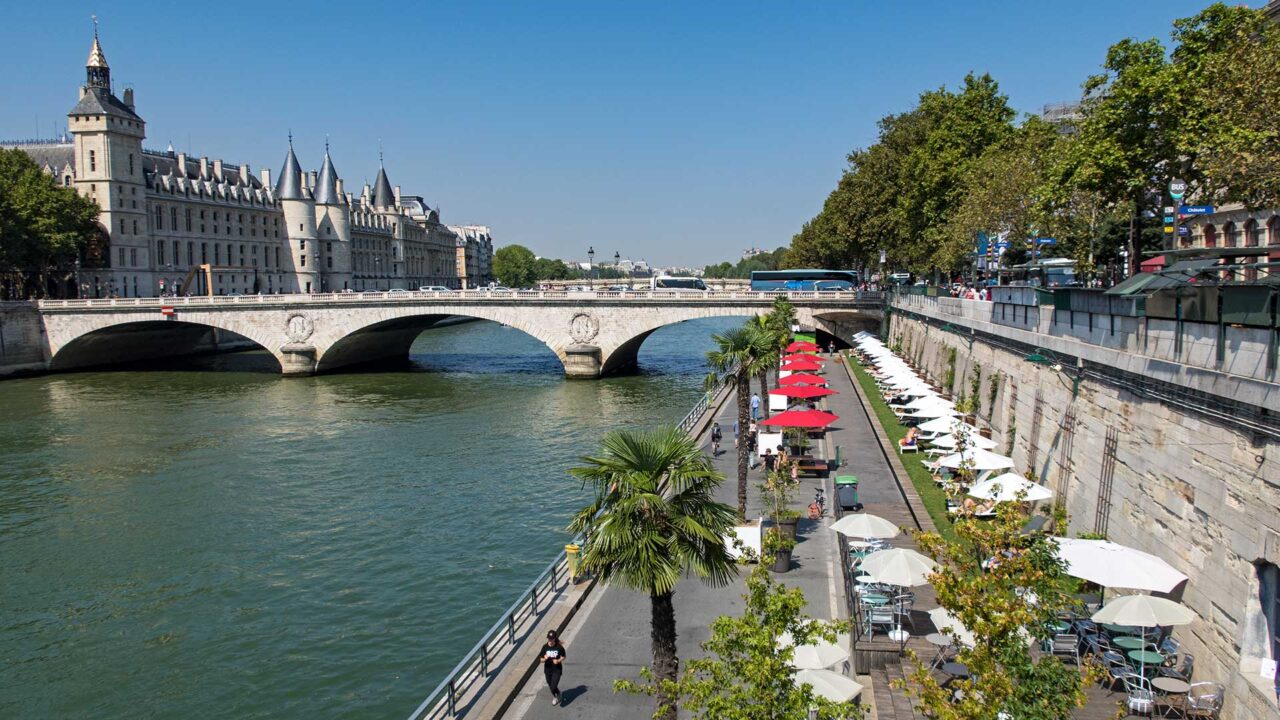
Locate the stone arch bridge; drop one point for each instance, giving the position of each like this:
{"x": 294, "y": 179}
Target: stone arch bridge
{"x": 593, "y": 333}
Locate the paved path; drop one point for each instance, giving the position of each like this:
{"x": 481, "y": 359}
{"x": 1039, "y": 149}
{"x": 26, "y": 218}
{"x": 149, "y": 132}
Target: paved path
{"x": 610, "y": 638}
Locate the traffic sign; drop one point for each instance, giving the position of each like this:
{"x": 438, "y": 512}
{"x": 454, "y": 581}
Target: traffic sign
{"x": 167, "y": 310}
{"x": 1002, "y": 244}
{"x": 1196, "y": 209}
{"x": 1177, "y": 188}
{"x": 1168, "y": 229}
{"x": 1046, "y": 241}
{"x": 1168, "y": 218}
{"x": 1184, "y": 230}
{"x": 1168, "y": 209}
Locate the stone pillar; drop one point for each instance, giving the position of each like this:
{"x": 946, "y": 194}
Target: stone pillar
{"x": 297, "y": 360}
{"x": 582, "y": 362}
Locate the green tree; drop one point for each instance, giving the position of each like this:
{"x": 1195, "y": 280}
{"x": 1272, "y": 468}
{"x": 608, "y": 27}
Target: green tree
{"x": 43, "y": 226}
{"x": 515, "y": 266}
{"x": 985, "y": 579}
{"x": 738, "y": 357}
{"x": 654, "y": 519}
{"x": 747, "y": 674}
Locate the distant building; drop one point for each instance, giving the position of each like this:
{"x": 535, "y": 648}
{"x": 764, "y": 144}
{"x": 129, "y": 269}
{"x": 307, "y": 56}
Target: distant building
{"x": 474, "y": 254}
{"x": 752, "y": 252}
{"x": 171, "y": 220}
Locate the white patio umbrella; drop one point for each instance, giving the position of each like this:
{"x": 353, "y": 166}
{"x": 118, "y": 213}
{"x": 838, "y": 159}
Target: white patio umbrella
{"x": 903, "y": 567}
{"x": 945, "y": 622}
{"x": 920, "y": 390}
{"x": 945, "y": 425}
{"x": 977, "y": 460}
{"x": 930, "y": 401}
{"x": 973, "y": 440}
{"x": 813, "y": 656}
{"x": 935, "y": 411}
{"x": 1144, "y": 611}
{"x": 830, "y": 685}
{"x": 864, "y": 525}
{"x": 1008, "y": 487}
{"x": 1113, "y": 565}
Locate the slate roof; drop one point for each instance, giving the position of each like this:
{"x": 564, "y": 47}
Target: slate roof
{"x": 290, "y": 185}
{"x": 99, "y": 101}
{"x": 383, "y": 195}
{"x": 327, "y": 184}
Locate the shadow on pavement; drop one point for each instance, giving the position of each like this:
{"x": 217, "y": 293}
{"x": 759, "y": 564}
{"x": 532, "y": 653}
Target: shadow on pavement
{"x": 569, "y": 695}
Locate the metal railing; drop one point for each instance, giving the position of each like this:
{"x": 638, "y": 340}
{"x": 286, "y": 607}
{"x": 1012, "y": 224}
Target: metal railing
{"x": 677, "y": 297}
{"x": 485, "y": 658}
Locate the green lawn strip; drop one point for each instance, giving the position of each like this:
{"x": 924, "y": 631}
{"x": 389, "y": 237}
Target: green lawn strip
{"x": 933, "y": 497}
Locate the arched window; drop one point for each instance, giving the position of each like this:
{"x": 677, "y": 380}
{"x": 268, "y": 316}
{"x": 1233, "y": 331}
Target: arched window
{"x": 1231, "y": 235}
{"x": 1273, "y": 230}
{"x": 1251, "y": 235}
{"x": 1210, "y": 236}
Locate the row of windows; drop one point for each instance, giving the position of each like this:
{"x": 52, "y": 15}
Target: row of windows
{"x": 158, "y": 221}
{"x": 1251, "y": 234}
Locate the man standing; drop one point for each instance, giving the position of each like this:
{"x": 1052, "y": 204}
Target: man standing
{"x": 553, "y": 655}
{"x": 755, "y": 406}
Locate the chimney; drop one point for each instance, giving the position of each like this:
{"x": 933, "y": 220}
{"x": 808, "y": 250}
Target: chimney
{"x": 245, "y": 174}
{"x": 311, "y": 180}
{"x": 217, "y": 170}
{"x": 266, "y": 177}
{"x": 397, "y": 196}
{"x": 128, "y": 97}
{"x": 83, "y": 91}
{"x": 338, "y": 186}
{"x": 204, "y": 168}
{"x": 182, "y": 165}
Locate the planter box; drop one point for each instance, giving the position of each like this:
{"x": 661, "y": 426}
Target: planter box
{"x": 751, "y": 535}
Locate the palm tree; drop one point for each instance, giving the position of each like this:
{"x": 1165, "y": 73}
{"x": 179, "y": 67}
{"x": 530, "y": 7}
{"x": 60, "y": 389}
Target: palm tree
{"x": 653, "y": 519}
{"x": 736, "y": 360}
{"x": 772, "y": 346}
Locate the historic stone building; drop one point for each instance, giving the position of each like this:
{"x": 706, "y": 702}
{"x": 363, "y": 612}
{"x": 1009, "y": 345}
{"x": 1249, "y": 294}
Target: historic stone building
{"x": 474, "y": 254}
{"x": 178, "y": 224}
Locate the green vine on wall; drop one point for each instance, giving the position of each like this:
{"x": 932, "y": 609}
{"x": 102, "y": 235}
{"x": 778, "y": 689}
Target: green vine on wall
{"x": 991, "y": 395}
{"x": 975, "y": 389}
{"x": 949, "y": 378}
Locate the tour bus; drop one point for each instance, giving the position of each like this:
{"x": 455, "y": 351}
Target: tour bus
{"x": 669, "y": 282}
{"x": 1048, "y": 273}
{"x": 771, "y": 280}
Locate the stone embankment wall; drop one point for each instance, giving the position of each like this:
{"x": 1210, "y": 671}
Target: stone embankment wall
{"x": 1169, "y": 473}
{"x": 21, "y": 339}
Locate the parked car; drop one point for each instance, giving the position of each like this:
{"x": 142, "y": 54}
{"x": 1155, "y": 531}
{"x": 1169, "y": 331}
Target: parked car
{"x": 434, "y": 288}
{"x": 398, "y": 290}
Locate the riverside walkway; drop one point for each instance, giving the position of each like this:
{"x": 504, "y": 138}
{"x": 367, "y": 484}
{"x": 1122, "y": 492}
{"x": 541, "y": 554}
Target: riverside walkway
{"x": 609, "y": 638}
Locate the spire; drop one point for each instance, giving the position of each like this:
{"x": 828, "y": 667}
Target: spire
{"x": 97, "y": 72}
{"x": 290, "y": 185}
{"x": 327, "y": 184}
{"x": 383, "y": 196}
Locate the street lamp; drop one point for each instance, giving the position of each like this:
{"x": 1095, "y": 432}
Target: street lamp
{"x": 1044, "y": 356}
{"x": 591, "y": 259}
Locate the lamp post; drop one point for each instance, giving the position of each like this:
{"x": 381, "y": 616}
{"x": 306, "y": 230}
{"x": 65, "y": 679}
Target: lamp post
{"x": 591, "y": 259}
{"x": 1044, "y": 356}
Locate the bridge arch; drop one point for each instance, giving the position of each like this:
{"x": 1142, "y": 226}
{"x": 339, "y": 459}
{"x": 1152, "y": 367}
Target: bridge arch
{"x": 135, "y": 339}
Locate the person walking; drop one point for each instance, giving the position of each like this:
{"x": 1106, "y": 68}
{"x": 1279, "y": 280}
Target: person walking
{"x": 553, "y": 655}
{"x": 716, "y": 435}
{"x": 755, "y": 406}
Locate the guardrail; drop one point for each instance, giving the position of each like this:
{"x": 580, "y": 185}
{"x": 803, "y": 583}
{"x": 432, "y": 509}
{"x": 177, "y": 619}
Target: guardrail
{"x": 480, "y": 295}
{"x": 513, "y": 627}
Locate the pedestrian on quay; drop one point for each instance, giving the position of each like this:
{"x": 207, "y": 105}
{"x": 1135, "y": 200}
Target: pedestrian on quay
{"x": 735, "y": 434}
{"x": 553, "y": 655}
{"x": 769, "y": 460}
{"x": 755, "y": 406}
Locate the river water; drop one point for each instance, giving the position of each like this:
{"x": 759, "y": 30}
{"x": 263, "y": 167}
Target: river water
{"x": 212, "y": 540}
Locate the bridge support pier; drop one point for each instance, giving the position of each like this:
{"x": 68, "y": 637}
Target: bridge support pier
{"x": 582, "y": 362}
{"x": 297, "y": 360}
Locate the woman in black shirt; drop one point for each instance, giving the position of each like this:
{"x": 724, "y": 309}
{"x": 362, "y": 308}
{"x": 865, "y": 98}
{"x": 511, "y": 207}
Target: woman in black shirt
{"x": 553, "y": 655}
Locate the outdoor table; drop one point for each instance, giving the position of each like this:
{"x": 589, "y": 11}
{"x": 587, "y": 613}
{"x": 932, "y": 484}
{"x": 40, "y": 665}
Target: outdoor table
{"x": 875, "y": 599}
{"x": 1173, "y": 688}
{"x": 1147, "y": 659}
{"x": 956, "y": 670}
{"x": 1129, "y": 642}
{"x": 1118, "y": 629}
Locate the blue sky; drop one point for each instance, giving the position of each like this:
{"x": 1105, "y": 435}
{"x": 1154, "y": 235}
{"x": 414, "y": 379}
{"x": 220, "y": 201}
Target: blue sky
{"x": 678, "y": 132}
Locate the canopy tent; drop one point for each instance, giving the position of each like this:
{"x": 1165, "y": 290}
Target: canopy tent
{"x": 1009, "y": 487}
{"x": 801, "y": 419}
{"x": 803, "y": 379}
{"x": 1113, "y": 565}
{"x": 976, "y": 459}
{"x": 863, "y": 525}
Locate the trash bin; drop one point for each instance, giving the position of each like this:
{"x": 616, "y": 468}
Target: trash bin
{"x": 847, "y": 492}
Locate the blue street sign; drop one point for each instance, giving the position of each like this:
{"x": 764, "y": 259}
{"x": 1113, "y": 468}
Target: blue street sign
{"x": 1168, "y": 218}
{"x": 1046, "y": 241}
{"x": 1002, "y": 244}
{"x": 1184, "y": 230}
{"x": 1196, "y": 209}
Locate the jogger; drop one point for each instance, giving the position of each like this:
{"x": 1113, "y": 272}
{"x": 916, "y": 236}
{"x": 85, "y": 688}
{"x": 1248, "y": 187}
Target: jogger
{"x": 553, "y": 655}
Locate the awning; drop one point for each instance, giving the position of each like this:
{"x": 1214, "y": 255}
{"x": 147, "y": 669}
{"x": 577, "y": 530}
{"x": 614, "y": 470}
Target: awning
{"x": 1179, "y": 273}
{"x": 1153, "y": 264}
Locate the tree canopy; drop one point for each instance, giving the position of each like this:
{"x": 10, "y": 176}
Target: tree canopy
{"x": 960, "y": 164}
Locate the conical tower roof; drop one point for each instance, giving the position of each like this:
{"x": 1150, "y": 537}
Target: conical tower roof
{"x": 290, "y": 185}
{"x": 96, "y": 57}
{"x": 327, "y": 183}
{"x": 383, "y": 195}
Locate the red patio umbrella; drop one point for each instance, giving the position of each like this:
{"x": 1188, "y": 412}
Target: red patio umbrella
{"x": 803, "y": 391}
{"x": 803, "y": 379}
{"x": 801, "y": 356}
{"x": 801, "y": 346}
{"x": 802, "y": 419}
{"x": 802, "y": 366}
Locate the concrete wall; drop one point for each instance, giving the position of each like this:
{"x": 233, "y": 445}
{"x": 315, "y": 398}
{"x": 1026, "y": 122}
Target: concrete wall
{"x": 1153, "y": 474}
{"x": 21, "y": 339}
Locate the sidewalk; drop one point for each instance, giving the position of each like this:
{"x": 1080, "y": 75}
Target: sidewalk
{"x": 609, "y": 639}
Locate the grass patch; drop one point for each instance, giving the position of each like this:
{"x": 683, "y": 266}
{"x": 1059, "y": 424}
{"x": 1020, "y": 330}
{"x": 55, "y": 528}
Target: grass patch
{"x": 933, "y": 497}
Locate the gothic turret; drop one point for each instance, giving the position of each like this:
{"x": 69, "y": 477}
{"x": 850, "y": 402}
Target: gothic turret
{"x": 97, "y": 72}
{"x": 300, "y": 225}
{"x": 383, "y": 195}
{"x": 333, "y": 229}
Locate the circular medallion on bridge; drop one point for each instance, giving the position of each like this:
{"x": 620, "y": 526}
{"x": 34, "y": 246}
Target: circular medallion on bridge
{"x": 298, "y": 327}
{"x": 583, "y": 328}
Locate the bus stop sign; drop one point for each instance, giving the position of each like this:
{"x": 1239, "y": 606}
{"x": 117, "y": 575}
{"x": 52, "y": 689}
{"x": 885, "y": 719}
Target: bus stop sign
{"x": 1177, "y": 188}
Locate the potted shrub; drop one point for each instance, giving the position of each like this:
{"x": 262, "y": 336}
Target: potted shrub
{"x": 776, "y": 493}
{"x": 778, "y": 548}
{"x": 785, "y": 520}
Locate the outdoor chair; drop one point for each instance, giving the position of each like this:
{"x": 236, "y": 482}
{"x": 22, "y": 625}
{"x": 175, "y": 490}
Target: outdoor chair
{"x": 1169, "y": 646}
{"x": 902, "y": 608}
{"x": 1066, "y": 645}
{"x": 1204, "y": 700}
{"x": 1116, "y": 673}
{"x": 884, "y": 616}
{"x": 1142, "y": 698}
{"x": 1182, "y": 672}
